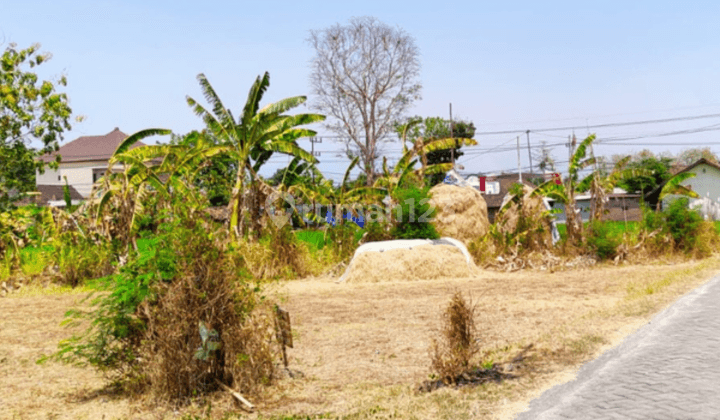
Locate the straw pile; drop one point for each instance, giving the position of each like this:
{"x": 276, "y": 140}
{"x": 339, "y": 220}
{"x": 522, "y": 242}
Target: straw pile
{"x": 461, "y": 212}
{"x": 424, "y": 262}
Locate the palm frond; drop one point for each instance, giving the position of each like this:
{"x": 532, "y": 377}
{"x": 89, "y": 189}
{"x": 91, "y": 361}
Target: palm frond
{"x": 212, "y": 123}
{"x": 282, "y": 105}
{"x": 673, "y": 187}
{"x": 579, "y": 155}
{"x": 552, "y": 190}
{"x": 438, "y": 168}
{"x": 350, "y": 167}
{"x": 128, "y": 142}
{"x": 257, "y": 90}
{"x": 289, "y": 148}
{"x": 222, "y": 113}
{"x": 622, "y": 163}
{"x": 447, "y": 143}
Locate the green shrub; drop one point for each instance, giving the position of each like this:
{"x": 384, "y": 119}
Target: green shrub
{"x": 677, "y": 220}
{"x": 377, "y": 231}
{"x": 413, "y": 215}
{"x": 315, "y": 238}
{"x": 79, "y": 257}
{"x": 602, "y": 240}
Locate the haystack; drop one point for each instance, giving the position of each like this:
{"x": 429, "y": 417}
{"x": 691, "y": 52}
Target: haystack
{"x": 539, "y": 225}
{"x": 461, "y": 212}
{"x": 409, "y": 260}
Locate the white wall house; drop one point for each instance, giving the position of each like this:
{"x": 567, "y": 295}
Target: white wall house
{"x": 84, "y": 161}
{"x": 706, "y": 184}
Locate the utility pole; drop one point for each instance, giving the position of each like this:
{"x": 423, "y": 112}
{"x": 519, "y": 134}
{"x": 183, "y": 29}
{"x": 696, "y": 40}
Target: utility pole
{"x": 519, "y": 167}
{"x": 570, "y": 153}
{"x": 452, "y": 151}
{"x": 529, "y": 152}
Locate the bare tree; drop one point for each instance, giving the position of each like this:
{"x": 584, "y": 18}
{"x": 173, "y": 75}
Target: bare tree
{"x": 690, "y": 156}
{"x": 365, "y": 75}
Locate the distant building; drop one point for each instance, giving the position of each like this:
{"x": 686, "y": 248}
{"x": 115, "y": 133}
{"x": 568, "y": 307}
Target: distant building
{"x": 50, "y": 195}
{"x": 84, "y": 161}
{"x": 621, "y": 206}
{"x": 706, "y": 184}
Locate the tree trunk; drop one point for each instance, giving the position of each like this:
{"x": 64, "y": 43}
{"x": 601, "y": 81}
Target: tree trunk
{"x": 236, "y": 204}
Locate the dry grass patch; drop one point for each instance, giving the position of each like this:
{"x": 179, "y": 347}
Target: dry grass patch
{"x": 364, "y": 347}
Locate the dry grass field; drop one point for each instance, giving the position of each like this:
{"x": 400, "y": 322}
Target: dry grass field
{"x": 363, "y": 347}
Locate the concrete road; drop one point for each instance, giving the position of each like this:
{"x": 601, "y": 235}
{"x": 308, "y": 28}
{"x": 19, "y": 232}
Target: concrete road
{"x": 668, "y": 369}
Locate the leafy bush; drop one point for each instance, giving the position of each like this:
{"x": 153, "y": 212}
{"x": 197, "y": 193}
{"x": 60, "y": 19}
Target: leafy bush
{"x": 678, "y": 221}
{"x": 414, "y": 214}
{"x": 377, "y": 231}
{"x": 602, "y": 240}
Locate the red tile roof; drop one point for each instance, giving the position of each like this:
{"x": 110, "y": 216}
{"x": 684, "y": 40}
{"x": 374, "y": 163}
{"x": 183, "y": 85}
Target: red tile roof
{"x": 88, "y": 148}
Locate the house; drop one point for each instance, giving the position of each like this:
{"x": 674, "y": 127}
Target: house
{"x": 706, "y": 184}
{"x": 51, "y": 195}
{"x": 84, "y": 161}
{"x": 497, "y": 187}
{"x": 621, "y": 206}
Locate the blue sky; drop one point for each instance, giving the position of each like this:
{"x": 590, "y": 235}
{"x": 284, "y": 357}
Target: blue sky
{"x": 507, "y": 66}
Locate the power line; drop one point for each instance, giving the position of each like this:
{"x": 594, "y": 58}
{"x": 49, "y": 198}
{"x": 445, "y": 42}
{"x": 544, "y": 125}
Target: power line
{"x": 603, "y": 116}
{"x": 620, "y": 124}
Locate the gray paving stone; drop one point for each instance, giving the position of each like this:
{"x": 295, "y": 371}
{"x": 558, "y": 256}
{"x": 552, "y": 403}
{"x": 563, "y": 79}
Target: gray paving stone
{"x": 669, "y": 369}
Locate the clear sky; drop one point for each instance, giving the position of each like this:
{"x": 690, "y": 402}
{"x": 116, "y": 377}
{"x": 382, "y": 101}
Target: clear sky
{"x": 507, "y": 66}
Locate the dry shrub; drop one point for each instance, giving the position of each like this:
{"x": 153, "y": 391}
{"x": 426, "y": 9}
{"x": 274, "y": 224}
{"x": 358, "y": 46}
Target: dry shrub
{"x": 277, "y": 254}
{"x": 205, "y": 291}
{"x": 526, "y": 223}
{"x": 484, "y": 250}
{"x": 707, "y": 240}
{"x": 424, "y": 262}
{"x": 461, "y": 212}
{"x": 451, "y": 353}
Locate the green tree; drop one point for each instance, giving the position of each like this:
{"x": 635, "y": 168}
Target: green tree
{"x": 30, "y": 109}
{"x": 651, "y": 171}
{"x": 252, "y": 140}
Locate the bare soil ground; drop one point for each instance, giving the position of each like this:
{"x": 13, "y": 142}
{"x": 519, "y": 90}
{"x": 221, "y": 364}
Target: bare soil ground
{"x": 363, "y": 348}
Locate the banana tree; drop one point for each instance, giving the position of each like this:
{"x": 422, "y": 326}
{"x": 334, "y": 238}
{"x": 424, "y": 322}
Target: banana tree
{"x": 565, "y": 193}
{"x": 673, "y": 187}
{"x": 166, "y": 170}
{"x": 252, "y": 139}
{"x": 600, "y": 184}
{"x": 419, "y": 152}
